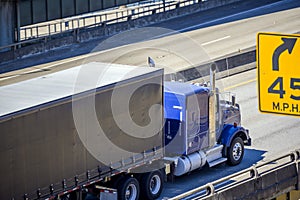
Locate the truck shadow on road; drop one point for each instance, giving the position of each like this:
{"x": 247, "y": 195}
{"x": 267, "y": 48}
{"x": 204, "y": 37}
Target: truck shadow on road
{"x": 206, "y": 175}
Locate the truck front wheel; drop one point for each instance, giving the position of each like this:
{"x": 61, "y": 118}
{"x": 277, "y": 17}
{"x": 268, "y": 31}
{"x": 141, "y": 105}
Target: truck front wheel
{"x": 128, "y": 189}
{"x": 235, "y": 152}
{"x": 151, "y": 185}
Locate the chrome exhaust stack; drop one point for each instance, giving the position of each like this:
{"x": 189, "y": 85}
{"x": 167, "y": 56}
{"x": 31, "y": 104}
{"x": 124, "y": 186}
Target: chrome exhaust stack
{"x": 212, "y": 106}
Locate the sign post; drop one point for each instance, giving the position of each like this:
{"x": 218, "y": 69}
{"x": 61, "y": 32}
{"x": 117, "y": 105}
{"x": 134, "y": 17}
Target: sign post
{"x": 278, "y": 65}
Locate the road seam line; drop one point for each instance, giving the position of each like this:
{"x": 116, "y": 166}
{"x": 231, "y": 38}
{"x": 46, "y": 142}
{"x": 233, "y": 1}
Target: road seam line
{"x": 240, "y": 84}
{"x": 216, "y": 40}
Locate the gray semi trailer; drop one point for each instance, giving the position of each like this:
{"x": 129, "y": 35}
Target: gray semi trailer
{"x": 118, "y": 130}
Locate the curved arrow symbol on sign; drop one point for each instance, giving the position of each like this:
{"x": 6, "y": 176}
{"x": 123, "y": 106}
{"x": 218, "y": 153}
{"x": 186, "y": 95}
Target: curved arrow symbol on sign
{"x": 288, "y": 44}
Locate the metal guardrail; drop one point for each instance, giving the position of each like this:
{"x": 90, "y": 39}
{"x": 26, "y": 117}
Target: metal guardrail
{"x": 108, "y": 17}
{"x": 238, "y": 179}
{"x": 69, "y": 24}
{"x": 46, "y": 31}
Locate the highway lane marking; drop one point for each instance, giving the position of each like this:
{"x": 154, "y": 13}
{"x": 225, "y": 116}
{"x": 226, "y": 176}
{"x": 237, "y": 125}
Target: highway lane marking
{"x": 240, "y": 84}
{"x": 216, "y": 40}
{"x": 9, "y": 77}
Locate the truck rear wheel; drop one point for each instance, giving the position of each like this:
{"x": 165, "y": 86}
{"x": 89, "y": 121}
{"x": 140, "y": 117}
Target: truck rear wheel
{"x": 128, "y": 189}
{"x": 235, "y": 152}
{"x": 151, "y": 185}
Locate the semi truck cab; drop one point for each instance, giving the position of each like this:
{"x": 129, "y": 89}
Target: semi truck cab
{"x": 200, "y": 128}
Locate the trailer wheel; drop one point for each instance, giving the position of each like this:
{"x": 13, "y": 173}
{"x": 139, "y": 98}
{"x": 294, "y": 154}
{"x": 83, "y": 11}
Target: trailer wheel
{"x": 128, "y": 189}
{"x": 151, "y": 185}
{"x": 235, "y": 151}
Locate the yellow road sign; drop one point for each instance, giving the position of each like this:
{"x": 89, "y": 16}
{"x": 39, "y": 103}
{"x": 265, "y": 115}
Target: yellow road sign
{"x": 278, "y": 64}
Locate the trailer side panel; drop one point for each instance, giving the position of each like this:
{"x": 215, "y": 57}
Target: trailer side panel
{"x": 59, "y": 139}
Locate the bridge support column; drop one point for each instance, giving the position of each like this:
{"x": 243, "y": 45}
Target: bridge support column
{"x": 8, "y": 21}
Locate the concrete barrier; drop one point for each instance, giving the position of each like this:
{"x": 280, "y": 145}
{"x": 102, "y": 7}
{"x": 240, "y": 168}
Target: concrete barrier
{"x": 227, "y": 65}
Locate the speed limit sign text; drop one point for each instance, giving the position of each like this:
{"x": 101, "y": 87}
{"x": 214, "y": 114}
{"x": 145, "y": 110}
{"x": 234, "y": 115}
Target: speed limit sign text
{"x": 278, "y": 64}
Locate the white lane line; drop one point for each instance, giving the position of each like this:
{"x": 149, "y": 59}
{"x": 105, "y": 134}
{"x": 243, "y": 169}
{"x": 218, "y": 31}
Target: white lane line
{"x": 216, "y": 40}
{"x": 9, "y": 77}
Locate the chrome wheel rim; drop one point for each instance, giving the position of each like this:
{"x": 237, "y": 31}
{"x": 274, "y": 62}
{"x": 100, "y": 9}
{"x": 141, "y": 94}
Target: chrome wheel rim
{"x": 131, "y": 192}
{"x": 237, "y": 151}
{"x": 155, "y": 184}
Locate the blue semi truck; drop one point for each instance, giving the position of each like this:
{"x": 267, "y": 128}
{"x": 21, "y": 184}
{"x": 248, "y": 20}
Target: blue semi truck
{"x": 112, "y": 131}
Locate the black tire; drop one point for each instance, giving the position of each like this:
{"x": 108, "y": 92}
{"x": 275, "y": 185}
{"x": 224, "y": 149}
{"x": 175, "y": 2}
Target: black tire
{"x": 235, "y": 152}
{"x": 128, "y": 189}
{"x": 152, "y": 184}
